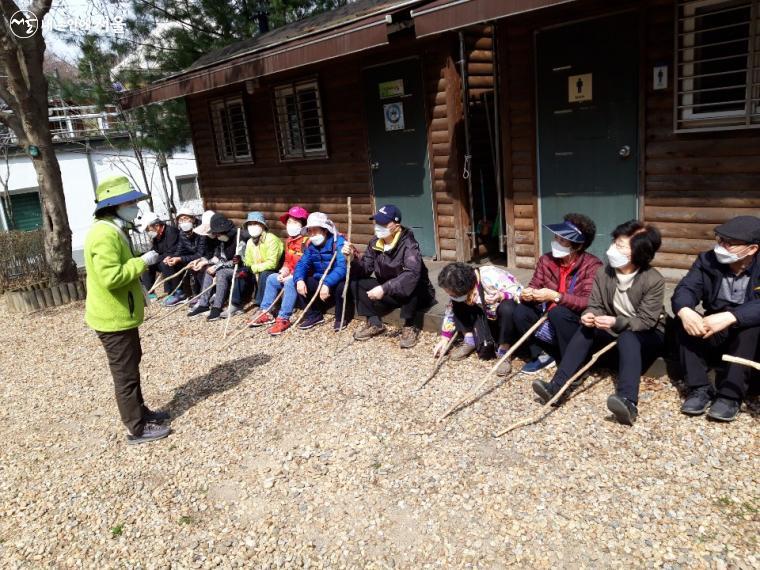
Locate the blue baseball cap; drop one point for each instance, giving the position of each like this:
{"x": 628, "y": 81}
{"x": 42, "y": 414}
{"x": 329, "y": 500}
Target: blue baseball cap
{"x": 566, "y": 230}
{"x": 387, "y": 214}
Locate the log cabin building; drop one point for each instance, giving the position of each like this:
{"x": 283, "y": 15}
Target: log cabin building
{"x": 483, "y": 119}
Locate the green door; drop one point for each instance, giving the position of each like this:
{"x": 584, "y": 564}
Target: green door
{"x": 26, "y": 210}
{"x": 587, "y": 92}
{"x": 396, "y": 125}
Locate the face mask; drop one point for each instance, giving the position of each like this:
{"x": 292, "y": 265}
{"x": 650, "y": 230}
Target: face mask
{"x": 255, "y": 230}
{"x": 128, "y": 213}
{"x": 318, "y": 239}
{"x": 293, "y": 228}
{"x": 725, "y": 256}
{"x": 381, "y": 231}
{"x": 460, "y": 299}
{"x": 223, "y": 238}
{"x": 186, "y": 226}
{"x": 152, "y": 234}
{"x": 559, "y": 251}
{"x": 616, "y": 258}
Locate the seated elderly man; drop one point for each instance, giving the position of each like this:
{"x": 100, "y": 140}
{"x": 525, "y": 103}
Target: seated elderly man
{"x": 164, "y": 241}
{"x": 726, "y": 281}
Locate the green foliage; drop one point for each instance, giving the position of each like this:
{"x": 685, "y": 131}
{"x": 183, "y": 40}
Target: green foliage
{"x": 117, "y": 530}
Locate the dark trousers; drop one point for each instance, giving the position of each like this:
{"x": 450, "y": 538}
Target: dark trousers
{"x": 636, "y": 352}
{"x": 253, "y": 284}
{"x": 732, "y": 380}
{"x": 124, "y": 354}
{"x": 564, "y": 321}
{"x": 366, "y": 307}
{"x": 336, "y": 298}
{"x": 502, "y": 328}
{"x": 149, "y": 277}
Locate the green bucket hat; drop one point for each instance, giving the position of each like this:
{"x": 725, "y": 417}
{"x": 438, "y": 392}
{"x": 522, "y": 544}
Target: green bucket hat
{"x": 114, "y": 191}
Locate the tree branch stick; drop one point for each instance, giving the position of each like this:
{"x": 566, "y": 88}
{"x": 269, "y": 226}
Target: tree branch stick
{"x": 348, "y": 266}
{"x": 439, "y": 362}
{"x": 742, "y": 361}
{"x": 232, "y": 287}
{"x": 316, "y": 293}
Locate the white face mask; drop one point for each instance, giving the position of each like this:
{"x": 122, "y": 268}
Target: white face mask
{"x": 293, "y": 228}
{"x": 381, "y": 231}
{"x": 317, "y": 239}
{"x": 615, "y": 257}
{"x": 152, "y": 234}
{"x": 460, "y": 299}
{"x": 559, "y": 251}
{"x": 128, "y": 213}
{"x": 725, "y": 256}
{"x": 186, "y": 226}
{"x": 223, "y": 238}
{"x": 255, "y": 230}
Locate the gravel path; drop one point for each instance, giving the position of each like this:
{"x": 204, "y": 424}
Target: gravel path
{"x": 284, "y": 455}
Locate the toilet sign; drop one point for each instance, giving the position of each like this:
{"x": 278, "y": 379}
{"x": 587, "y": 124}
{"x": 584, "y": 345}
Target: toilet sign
{"x": 579, "y": 88}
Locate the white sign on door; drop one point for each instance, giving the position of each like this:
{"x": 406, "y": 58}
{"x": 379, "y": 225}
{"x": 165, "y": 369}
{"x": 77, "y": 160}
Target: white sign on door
{"x": 394, "y": 116}
{"x": 580, "y": 88}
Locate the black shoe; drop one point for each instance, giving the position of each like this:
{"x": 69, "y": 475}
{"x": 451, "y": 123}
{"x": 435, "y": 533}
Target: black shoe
{"x": 697, "y": 402}
{"x": 151, "y": 432}
{"x": 544, "y": 390}
{"x": 724, "y": 410}
{"x": 197, "y": 310}
{"x": 624, "y": 410}
{"x": 156, "y": 417}
{"x": 214, "y": 314}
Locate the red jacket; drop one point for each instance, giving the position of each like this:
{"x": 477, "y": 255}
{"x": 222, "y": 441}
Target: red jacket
{"x": 581, "y": 279}
{"x": 294, "y": 248}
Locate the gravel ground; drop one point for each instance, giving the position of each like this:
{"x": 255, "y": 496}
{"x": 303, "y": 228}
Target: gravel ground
{"x": 284, "y": 455}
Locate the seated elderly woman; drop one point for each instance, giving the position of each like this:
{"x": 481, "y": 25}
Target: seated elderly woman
{"x": 479, "y": 310}
{"x": 190, "y": 247}
{"x": 626, "y": 305}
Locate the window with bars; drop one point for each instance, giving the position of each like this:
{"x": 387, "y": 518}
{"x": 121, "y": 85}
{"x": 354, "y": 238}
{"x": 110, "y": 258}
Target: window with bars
{"x": 717, "y": 65}
{"x": 230, "y": 131}
{"x": 300, "y": 123}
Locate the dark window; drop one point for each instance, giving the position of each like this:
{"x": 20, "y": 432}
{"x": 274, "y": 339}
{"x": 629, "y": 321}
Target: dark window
{"x": 187, "y": 188}
{"x": 300, "y": 122}
{"x": 230, "y": 130}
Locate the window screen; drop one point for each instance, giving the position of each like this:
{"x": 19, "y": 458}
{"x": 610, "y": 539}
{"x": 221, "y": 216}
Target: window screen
{"x": 300, "y": 122}
{"x": 230, "y": 130}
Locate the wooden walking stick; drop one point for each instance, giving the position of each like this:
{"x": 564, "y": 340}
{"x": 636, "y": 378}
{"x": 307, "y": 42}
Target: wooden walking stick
{"x": 179, "y": 306}
{"x": 165, "y": 279}
{"x": 246, "y": 326}
{"x": 232, "y": 287}
{"x": 558, "y": 395}
{"x": 319, "y": 286}
{"x": 441, "y": 359}
{"x": 512, "y": 349}
{"x": 742, "y": 361}
{"x": 348, "y": 266}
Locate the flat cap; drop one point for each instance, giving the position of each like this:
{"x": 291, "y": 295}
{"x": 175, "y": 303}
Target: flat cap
{"x": 741, "y": 228}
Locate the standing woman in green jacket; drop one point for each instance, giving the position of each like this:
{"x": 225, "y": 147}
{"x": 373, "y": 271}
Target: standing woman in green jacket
{"x": 115, "y": 302}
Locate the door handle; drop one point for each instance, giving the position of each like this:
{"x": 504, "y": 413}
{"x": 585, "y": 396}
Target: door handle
{"x": 374, "y": 166}
{"x": 624, "y": 151}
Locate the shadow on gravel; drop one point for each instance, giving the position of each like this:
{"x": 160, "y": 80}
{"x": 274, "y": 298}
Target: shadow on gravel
{"x": 219, "y": 379}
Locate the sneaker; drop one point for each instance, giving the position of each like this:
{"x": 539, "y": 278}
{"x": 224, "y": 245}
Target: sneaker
{"x": 151, "y": 432}
{"x": 197, "y": 310}
{"x": 155, "y": 416}
{"x": 214, "y": 314}
{"x": 312, "y": 321}
{"x": 231, "y": 311}
{"x": 262, "y": 319}
{"x": 279, "y": 327}
{"x": 535, "y": 366}
{"x": 152, "y": 296}
{"x": 697, "y": 401}
{"x": 624, "y": 410}
{"x": 175, "y": 299}
{"x": 368, "y": 331}
{"x": 409, "y": 337}
{"x": 544, "y": 390}
{"x": 462, "y": 351}
{"x": 339, "y": 326}
{"x": 724, "y": 410}
{"x": 504, "y": 368}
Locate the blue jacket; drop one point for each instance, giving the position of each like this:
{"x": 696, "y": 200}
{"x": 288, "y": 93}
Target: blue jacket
{"x": 316, "y": 259}
{"x": 702, "y": 284}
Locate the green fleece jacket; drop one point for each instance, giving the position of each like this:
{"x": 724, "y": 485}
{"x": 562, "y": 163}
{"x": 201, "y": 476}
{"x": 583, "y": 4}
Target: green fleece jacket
{"x": 114, "y": 296}
{"x": 265, "y": 255}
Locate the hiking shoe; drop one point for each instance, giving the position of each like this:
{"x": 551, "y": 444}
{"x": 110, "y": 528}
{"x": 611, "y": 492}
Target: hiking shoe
{"x": 151, "y": 432}
{"x": 697, "y": 402}
{"x": 262, "y": 319}
{"x": 368, "y": 331}
{"x": 535, "y": 366}
{"x": 462, "y": 351}
{"x": 724, "y": 410}
{"x": 624, "y": 410}
{"x": 175, "y": 299}
{"x": 214, "y": 314}
{"x": 504, "y": 368}
{"x": 409, "y": 337}
{"x": 279, "y": 327}
{"x": 312, "y": 321}
{"x": 155, "y": 416}
{"x": 544, "y": 390}
{"x": 339, "y": 326}
{"x": 231, "y": 311}
{"x": 197, "y": 310}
